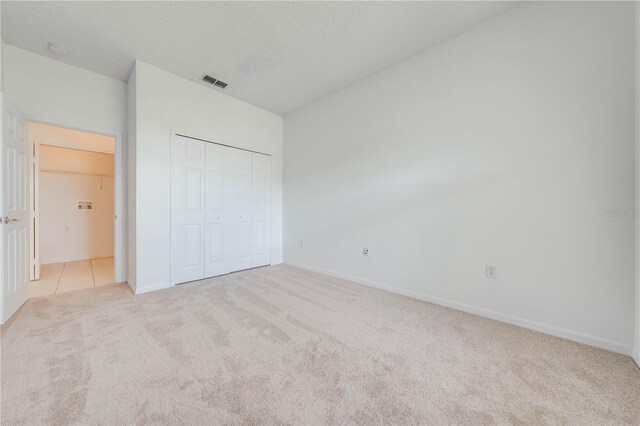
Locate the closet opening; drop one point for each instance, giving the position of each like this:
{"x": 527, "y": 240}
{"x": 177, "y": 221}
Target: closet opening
{"x": 72, "y": 224}
{"x": 220, "y": 209}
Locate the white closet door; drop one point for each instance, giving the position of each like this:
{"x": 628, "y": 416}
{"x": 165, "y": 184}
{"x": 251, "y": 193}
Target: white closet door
{"x": 261, "y": 211}
{"x": 216, "y": 220}
{"x": 187, "y": 210}
{"x": 238, "y": 212}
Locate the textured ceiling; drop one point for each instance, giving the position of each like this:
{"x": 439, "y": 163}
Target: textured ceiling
{"x": 276, "y": 55}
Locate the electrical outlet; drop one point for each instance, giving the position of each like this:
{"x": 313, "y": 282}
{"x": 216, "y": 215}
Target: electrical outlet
{"x": 301, "y": 243}
{"x": 365, "y": 251}
{"x": 490, "y": 271}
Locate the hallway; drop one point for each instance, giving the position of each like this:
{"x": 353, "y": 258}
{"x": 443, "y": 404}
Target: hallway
{"x": 70, "y": 276}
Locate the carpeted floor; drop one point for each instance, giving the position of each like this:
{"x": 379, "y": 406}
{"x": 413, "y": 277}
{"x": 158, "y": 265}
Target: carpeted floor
{"x": 281, "y": 345}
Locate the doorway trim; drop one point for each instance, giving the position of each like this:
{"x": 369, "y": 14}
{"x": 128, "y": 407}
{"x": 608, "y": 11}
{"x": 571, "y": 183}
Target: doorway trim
{"x": 120, "y": 197}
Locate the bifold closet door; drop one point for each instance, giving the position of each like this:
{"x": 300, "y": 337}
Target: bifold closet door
{"x": 260, "y": 210}
{"x": 187, "y": 210}
{"x": 220, "y": 210}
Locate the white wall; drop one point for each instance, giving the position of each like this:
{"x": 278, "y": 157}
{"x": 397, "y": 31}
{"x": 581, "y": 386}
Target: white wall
{"x": 66, "y": 233}
{"x": 505, "y": 145}
{"x": 53, "y": 92}
{"x": 57, "y": 93}
{"x": 165, "y": 102}
{"x": 75, "y": 160}
{"x": 1, "y": 65}
{"x": 131, "y": 178}
{"x": 2, "y": 49}
{"x": 636, "y": 351}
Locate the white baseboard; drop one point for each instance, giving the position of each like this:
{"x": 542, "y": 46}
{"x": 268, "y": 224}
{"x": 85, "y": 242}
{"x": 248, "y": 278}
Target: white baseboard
{"x": 575, "y": 336}
{"x": 146, "y": 289}
{"x": 636, "y": 355}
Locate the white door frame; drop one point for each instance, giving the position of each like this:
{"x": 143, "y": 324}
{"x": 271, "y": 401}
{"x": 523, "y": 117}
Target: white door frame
{"x": 120, "y": 194}
{"x": 34, "y": 211}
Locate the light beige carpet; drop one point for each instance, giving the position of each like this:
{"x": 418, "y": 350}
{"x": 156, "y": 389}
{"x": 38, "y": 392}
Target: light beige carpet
{"x": 280, "y": 345}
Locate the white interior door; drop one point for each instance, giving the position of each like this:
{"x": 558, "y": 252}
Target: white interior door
{"x": 187, "y": 210}
{"x": 238, "y": 201}
{"x": 261, "y": 210}
{"x": 216, "y": 215}
{"x": 15, "y": 212}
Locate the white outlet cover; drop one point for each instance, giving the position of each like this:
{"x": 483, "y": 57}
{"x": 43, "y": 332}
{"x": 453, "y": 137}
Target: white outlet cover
{"x": 490, "y": 271}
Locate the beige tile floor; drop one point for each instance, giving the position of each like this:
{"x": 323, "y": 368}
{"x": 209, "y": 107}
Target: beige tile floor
{"x": 70, "y": 276}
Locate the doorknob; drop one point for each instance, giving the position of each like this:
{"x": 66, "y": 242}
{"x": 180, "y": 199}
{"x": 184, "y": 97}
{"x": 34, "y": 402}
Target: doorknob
{"x": 6, "y": 220}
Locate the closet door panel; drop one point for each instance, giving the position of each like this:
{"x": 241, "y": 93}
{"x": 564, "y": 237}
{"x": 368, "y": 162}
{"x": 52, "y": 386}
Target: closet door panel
{"x": 261, "y": 210}
{"x": 187, "y": 210}
{"x": 238, "y": 190}
{"x": 216, "y": 263}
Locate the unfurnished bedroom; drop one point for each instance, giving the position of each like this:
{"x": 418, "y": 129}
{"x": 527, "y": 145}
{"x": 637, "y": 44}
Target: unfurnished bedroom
{"x": 320, "y": 213}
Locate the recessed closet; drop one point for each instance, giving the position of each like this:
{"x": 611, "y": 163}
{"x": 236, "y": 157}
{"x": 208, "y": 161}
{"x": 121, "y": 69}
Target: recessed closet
{"x": 220, "y": 209}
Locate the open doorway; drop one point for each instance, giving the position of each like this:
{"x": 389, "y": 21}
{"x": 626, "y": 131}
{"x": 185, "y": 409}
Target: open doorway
{"x": 73, "y": 206}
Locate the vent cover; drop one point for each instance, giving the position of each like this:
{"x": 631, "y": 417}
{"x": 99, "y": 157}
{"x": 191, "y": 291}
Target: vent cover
{"x": 214, "y": 81}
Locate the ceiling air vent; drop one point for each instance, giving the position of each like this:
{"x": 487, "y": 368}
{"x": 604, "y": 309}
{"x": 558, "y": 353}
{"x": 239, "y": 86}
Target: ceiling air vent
{"x": 214, "y": 81}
